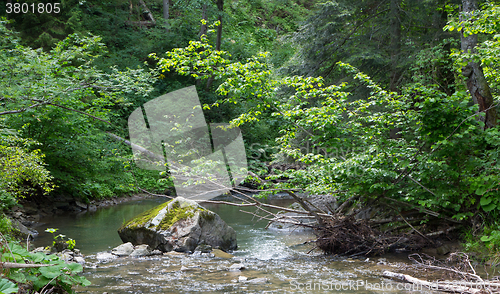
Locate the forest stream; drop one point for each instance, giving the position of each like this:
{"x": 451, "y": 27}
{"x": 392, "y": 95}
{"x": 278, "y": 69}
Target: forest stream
{"x": 279, "y": 257}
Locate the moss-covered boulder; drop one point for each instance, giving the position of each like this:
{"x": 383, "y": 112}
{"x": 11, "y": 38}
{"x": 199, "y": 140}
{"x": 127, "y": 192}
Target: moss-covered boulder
{"x": 179, "y": 225}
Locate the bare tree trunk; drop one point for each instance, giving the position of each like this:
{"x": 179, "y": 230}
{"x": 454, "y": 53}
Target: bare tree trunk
{"x": 8, "y": 24}
{"x": 166, "y": 11}
{"x": 220, "y": 7}
{"x": 395, "y": 44}
{"x": 473, "y": 72}
{"x": 204, "y": 28}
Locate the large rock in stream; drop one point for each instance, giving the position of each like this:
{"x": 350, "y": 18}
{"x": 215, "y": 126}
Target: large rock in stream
{"x": 179, "y": 225}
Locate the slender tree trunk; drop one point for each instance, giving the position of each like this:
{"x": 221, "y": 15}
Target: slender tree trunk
{"x": 166, "y": 11}
{"x": 220, "y": 7}
{"x": 444, "y": 75}
{"x": 204, "y": 28}
{"x": 395, "y": 44}
{"x": 473, "y": 72}
{"x": 8, "y": 24}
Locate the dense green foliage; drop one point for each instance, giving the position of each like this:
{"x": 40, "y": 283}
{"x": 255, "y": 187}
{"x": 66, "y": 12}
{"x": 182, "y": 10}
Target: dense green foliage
{"x": 421, "y": 145}
{"x": 368, "y": 97}
{"x": 59, "y": 274}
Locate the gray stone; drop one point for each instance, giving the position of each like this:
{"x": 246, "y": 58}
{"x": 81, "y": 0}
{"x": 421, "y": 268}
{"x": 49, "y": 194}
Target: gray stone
{"x": 22, "y": 230}
{"x": 123, "y": 250}
{"x": 191, "y": 268}
{"x": 30, "y": 210}
{"x": 242, "y": 279}
{"x": 257, "y": 281}
{"x": 79, "y": 259}
{"x": 236, "y": 267}
{"x": 179, "y": 225}
{"x": 81, "y": 205}
{"x": 203, "y": 248}
{"x": 65, "y": 256}
{"x": 41, "y": 250}
{"x": 104, "y": 256}
{"x": 141, "y": 250}
{"x": 67, "y": 251}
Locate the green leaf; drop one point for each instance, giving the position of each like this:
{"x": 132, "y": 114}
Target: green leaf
{"x": 486, "y": 238}
{"x": 75, "y": 267}
{"x": 51, "y": 272}
{"x": 7, "y": 287}
{"x": 484, "y": 200}
{"x": 481, "y": 190}
{"x": 489, "y": 207}
{"x": 17, "y": 276}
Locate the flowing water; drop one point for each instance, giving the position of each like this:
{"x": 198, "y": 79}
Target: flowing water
{"x": 281, "y": 258}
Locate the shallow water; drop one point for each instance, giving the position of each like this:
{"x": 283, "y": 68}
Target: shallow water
{"x": 279, "y": 257}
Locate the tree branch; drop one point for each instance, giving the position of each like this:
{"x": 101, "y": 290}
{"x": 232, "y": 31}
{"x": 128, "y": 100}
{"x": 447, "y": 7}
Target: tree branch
{"x": 22, "y": 109}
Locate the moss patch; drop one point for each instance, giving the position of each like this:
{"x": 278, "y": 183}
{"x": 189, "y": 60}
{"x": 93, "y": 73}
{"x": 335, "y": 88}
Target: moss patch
{"x": 207, "y": 215}
{"x": 176, "y": 214}
{"x": 143, "y": 218}
{"x": 173, "y": 215}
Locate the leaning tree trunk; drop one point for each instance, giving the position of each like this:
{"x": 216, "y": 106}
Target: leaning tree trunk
{"x": 473, "y": 72}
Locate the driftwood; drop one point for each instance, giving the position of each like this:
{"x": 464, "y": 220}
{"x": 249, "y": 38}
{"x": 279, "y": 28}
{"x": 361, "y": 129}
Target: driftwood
{"x": 463, "y": 275}
{"x": 447, "y": 286}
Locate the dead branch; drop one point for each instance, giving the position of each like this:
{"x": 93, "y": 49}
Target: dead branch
{"x": 454, "y": 287}
{"x": 22, "y": 109}
{"x": 278, "y": 220}
{"x": 345, "y": 203}
{"x": 22, "y": 265}
{"x": 437, "y": 233}
{"x": 461, "y": 273}
{"x": 304, "y": 205}
{"x": 418, "y": 232}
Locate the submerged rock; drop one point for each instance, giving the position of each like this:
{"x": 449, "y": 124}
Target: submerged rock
{"x": 179, "y": 225}
{"x": 257, "y": 281}
{"x": 221, "y": 254}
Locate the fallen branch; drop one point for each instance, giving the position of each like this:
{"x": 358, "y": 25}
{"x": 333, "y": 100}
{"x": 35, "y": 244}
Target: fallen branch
{"x": 22, "y": 265}
{"x": 448, "y": 286}
{"x": 278, "y": 220}
{"x": 320, "y": 221}
{"x": 462, "y": 273}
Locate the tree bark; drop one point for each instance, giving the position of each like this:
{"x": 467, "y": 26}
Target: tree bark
{"x": 220, "y": 7}
{"x": 476, "y": 82}
{"x": 8, "y": 24}
{"x": 395, "y": 44}
{"x": 204, "y": 28}
{"x": 166, "y": 11}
